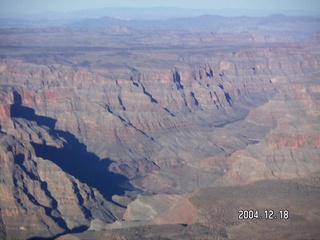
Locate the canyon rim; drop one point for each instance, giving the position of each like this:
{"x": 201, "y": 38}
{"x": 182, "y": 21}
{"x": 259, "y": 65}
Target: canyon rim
{"x": 160, "y": 129}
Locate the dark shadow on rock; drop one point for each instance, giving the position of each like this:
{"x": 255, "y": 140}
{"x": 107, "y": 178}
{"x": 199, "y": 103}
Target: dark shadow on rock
{"x": 27, "y": 113}
{"x": 73, "y": 158}
{"x": 19, "y": 160}
{"x": 228, "y": 98}
{"x": 194, "y": 98}
{"x": 85, "y": 166}
{"x": 19, "y": 111}
{"x": 78, "y": 229}
{"x": 17, "y": 100}
{"x": 177, "y": 80}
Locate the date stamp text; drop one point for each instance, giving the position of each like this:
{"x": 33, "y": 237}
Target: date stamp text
{"x": 267, "y": 214}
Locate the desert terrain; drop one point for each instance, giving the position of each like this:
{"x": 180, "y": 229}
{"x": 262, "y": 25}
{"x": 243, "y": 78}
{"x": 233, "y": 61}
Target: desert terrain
{"x": 132, "y": 129}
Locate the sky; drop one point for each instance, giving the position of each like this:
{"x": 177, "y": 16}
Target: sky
{"x": 38, "y": 6}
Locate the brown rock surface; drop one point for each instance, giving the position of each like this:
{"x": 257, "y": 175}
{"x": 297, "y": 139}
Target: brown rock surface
{"x": 289, "y": 150}
{"x": 191, "y": 119}
{"x": 161, "y": 209}
{"x": 37, "y": 197}
{"x": 296, "y": 196}
{"x": 217, "y": 213}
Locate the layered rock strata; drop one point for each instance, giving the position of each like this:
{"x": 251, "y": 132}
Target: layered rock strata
{"x": 38, "y": 198}
{"x": 168, "y": 119}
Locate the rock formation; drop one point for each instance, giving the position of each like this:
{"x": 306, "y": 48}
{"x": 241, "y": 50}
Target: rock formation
{"x": 109, "y": 130}
{"x": 39, "y": 197}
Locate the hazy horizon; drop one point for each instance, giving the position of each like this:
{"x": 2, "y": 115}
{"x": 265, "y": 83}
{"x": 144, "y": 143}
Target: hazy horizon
{"x": 294, "y": 7}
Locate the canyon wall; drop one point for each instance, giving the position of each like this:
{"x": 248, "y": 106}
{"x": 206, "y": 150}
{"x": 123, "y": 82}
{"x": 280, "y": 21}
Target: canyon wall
{"x": 81, "y": 123}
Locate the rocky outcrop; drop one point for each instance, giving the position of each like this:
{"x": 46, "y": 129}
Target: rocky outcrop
{"x": 80, "y": 124}
{"x": 162, "y": 209}
{"x": 38, "y": 195}
{"x": 126, "y": 111}
{"x": 290, "y": 149}
{"x": 217, "y": 212}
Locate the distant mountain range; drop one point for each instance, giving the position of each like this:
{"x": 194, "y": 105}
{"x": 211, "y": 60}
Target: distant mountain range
{"x": 151, "y": 14}
{"x": 274, "y": 23}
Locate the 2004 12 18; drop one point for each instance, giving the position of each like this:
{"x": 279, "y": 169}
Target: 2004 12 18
{"x": 267, "y": 214}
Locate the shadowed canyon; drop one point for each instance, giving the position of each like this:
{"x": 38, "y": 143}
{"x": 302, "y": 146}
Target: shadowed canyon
{"x": 118, "y": 129}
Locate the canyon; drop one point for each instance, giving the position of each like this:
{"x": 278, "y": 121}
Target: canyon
{"x": 126, "y": 131}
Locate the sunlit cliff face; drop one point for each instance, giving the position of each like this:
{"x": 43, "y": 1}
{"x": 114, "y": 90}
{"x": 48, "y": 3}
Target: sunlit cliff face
{"x": 117, "y": 127}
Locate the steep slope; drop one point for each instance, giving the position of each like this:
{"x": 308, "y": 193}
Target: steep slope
{"x": 165, "y": 106}
{"x": 39, "y": 198}
{"x": 171, "y": 113}
{"x": 213, "y": 213}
